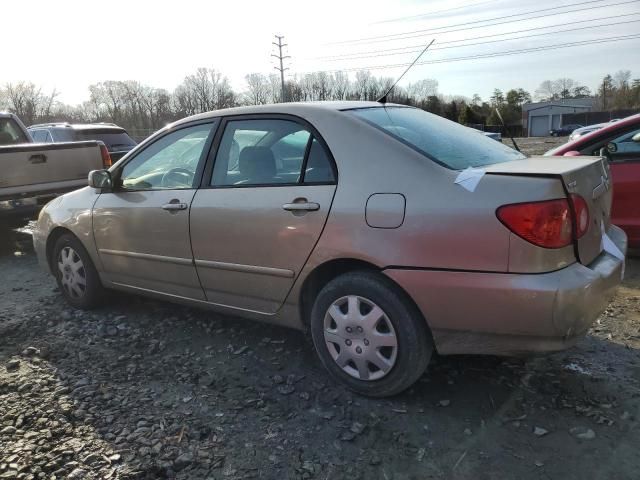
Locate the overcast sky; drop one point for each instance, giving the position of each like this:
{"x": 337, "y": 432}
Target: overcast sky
{"x": 70, "y": 44}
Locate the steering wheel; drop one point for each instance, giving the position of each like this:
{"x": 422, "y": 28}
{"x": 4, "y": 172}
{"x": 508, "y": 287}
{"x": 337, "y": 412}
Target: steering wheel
{"x": 177, "y": 177}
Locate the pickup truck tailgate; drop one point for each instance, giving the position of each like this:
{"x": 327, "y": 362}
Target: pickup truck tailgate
{"x": 36, "y": 168}
{"x": 588, "y": 177}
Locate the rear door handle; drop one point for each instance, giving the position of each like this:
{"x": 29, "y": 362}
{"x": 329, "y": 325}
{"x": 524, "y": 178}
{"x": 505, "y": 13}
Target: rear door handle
{"x": 301, "y": 207}
{"x": 174, "y": 205}
{"x": 38, "y": 158}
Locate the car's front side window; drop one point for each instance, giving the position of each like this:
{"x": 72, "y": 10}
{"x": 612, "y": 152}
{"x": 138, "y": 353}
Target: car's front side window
{"x": 170, "y": 162}
{"x": 265, "y": 152}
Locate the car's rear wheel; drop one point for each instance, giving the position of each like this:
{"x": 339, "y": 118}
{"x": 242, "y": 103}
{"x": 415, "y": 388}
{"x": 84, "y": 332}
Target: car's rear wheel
{"x": 369, "y": 335}
{"x": 75, "y": 273}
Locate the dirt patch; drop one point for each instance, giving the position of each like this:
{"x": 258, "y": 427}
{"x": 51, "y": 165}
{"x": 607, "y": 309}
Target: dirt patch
{"x": 142, "y": 389}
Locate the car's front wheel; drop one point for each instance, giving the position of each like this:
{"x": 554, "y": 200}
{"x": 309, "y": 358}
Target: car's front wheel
{"x": 369, "y": 335}
{"x": 75, "y": 273}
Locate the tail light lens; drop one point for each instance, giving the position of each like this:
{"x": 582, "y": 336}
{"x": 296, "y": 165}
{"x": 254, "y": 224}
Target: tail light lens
{"x": 106, "y": 158}
{"x": 581, "y": 210}
{"x": 545, "y": 224}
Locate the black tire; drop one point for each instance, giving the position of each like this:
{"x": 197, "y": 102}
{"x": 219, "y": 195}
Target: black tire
{"x": 92, "y": 294}
{"x": 414, "y": 342}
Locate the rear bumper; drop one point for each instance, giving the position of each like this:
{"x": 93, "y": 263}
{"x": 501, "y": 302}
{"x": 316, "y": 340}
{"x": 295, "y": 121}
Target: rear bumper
{"x": 513, "y": 314}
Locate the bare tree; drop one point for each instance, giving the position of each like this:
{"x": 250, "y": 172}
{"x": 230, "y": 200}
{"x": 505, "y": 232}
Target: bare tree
{"x": 27, "y": 101}
{"x": 258, "y": 89}
{"x": 621, "y": 79}
{"x": 341, "y": 85}
{"x": 564, "y": 86}
{"x": 548, "y": 90}
{"x": 422, "y": 89}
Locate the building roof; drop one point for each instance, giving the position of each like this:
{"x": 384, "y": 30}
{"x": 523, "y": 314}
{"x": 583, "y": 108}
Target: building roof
{"x": 588, "y": 102}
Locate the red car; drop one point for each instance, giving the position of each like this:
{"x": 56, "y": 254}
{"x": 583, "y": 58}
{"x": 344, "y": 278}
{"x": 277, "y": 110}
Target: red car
{"x": 620, "y": 144}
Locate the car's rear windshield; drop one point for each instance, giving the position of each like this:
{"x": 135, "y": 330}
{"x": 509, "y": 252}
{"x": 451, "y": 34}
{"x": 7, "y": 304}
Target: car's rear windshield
{"x": 447, "y": 143}
{"x": 114, "y": 139}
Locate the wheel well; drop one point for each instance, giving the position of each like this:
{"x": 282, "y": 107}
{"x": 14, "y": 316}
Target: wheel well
{"x": 53, "y": 237}
{"x": 322, "y": 275}
{"x": 326, "y": 272}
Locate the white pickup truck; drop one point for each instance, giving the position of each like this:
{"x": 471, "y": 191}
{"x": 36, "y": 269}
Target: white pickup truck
{"x": 32, "y": 173}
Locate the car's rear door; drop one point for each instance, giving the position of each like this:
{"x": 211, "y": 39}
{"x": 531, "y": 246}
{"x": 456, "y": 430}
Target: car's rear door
{"x": 261, "y": 209}
{"x": 141, "y": 229}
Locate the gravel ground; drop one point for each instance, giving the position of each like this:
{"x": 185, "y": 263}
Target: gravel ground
{"x": 536, "y": 145}
{"x": 141, "y": 389}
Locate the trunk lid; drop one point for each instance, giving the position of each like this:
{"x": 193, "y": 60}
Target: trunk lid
{"x": 588, "y": 177}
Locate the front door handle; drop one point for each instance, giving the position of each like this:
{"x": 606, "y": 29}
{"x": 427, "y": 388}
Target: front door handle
{"x": 175, "y": 205}
{"x": 301, "y": 207}
{"x": 38, "y": 158}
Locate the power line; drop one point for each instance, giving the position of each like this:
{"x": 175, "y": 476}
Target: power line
{"x": 406, "y": 49}
{"x": 482, "y": 43}
{"x": 495, "y": 54}
{"x": 431, "y": 31}
{"x": 435, "y": 12}
{"x": 281, "y": 69}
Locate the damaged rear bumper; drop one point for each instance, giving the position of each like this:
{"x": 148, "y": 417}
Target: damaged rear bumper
{"x": 513, "y": 314}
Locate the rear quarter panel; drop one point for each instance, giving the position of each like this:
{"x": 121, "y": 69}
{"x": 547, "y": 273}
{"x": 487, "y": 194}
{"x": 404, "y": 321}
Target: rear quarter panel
{"x": 445, "y": 227}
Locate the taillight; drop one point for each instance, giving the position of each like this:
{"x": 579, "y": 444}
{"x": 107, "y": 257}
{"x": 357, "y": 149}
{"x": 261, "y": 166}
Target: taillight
{"x": 546, "y": 224}
{"x": 106, "y": 158}
{"x": 581, "y": 210}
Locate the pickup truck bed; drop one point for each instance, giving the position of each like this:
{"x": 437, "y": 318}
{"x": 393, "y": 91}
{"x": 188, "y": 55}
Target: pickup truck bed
{"x": 38, "y": 169}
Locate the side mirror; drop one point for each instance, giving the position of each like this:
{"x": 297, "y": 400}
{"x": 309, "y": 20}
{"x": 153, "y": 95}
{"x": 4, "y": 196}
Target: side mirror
{"x": 636, "y": 137}
{"x": 100, "y": 179}
{"x": 612, "y": 147}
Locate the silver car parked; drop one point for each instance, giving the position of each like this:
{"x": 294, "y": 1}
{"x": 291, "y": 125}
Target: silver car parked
{"x": 349, "y": 220}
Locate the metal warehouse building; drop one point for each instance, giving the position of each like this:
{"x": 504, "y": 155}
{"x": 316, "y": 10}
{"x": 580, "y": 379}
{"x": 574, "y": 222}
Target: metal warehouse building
{"x": 539, "y": 118}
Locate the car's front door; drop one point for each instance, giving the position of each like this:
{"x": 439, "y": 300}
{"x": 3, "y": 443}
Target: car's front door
{"x": 261, "y": 211}
{"x": 141, "y": 229}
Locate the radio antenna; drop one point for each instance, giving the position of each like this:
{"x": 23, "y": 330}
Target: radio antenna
{"x": 383, "y": 99}
{"x": 506, "y": 129}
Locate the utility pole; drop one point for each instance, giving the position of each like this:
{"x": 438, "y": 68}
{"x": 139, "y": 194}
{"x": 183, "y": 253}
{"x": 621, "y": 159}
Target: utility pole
{"x": 604, "y": 95}
{"x": 281, "y": 68}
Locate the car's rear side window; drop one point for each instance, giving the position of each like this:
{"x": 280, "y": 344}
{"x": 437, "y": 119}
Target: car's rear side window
{"x": 447, "y": 143}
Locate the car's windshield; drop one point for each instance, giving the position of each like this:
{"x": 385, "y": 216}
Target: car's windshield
{"x": 448, "y": 143}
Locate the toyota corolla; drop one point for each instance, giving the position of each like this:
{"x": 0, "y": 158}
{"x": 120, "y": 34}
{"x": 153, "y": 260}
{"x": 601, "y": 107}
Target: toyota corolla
{"x": 386, "y": 232}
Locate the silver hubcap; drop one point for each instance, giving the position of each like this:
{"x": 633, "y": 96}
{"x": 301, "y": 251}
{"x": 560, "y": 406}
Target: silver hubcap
{"x": 72, "y": 273}
{"x": 360, "y": 338}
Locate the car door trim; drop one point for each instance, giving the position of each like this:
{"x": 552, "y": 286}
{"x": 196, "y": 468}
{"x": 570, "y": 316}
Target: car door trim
{"x": 190, "y": 300}
{"x": 147, "y": 256}
{"x": 237, "y": 267}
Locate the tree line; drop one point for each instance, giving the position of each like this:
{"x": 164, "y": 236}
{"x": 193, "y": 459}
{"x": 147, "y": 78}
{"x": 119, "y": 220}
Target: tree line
{"x": 143, "y": 108}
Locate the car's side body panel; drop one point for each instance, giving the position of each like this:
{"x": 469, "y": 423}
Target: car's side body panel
{"x": 143, "y": 245}
{"x": 248, "y": 249}
{"x": 448, "y": 236}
